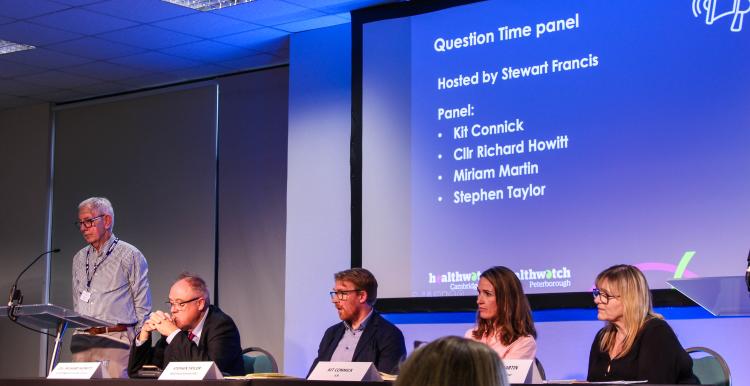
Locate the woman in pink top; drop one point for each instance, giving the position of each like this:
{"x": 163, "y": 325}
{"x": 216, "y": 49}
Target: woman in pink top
{"x": 504, "y": 319}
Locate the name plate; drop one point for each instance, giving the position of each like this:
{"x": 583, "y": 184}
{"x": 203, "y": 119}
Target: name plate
{"x": 345, "y": 371}
{"x": 522, "y": 371}
{"x": 191, "y": 371}
{"x": 78, "y": 370}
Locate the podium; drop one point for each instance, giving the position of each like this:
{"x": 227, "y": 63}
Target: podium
{"x": 50, "y": 316}
{"x": 721, "y": 296}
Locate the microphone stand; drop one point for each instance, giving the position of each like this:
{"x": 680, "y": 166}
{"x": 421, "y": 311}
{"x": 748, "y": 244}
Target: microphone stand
{"x": 15, "y": 297}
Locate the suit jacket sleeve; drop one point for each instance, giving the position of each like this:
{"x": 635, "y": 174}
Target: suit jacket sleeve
{"x": 326, "y": 346}
{"x": 146, "y": 355}
{"x": 392, "y": 349}
{"x": 220, "y": 342}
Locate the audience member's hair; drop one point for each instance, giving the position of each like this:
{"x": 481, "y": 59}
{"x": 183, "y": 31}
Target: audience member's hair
{"x": 452, "y": 361}
{"x": 630, "y": 286}
{"x": 363, "y": 280}
{"x": 99, "y": 205}
{"x": 197, "y": 284}
{"x": 513, "y": 318}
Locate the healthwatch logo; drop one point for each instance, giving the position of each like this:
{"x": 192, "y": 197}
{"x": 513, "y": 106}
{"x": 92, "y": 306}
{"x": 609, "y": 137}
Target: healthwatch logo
{"x": 550, "y": 277}
{"x": 457, "y": 280}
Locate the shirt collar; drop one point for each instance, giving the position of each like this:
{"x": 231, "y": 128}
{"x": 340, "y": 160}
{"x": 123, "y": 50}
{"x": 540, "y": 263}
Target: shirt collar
{"x": 199, "y": 328}
{"x": 106, "y": 245}
{"x": 361, "y": 325}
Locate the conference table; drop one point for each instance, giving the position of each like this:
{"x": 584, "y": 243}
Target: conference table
{"x": 154, "y": 382}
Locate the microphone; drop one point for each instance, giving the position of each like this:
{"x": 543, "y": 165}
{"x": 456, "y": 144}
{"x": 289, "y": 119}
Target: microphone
{"x": 15, "y": 297}
{"x": 747, "y": 273}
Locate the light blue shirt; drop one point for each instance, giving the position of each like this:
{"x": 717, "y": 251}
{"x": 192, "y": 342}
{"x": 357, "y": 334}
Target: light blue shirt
{"x": 119, "y": 291}
{"x": 348, "y": 343}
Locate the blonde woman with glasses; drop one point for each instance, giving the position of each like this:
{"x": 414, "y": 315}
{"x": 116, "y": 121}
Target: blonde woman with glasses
{"x": 636, "y": 343}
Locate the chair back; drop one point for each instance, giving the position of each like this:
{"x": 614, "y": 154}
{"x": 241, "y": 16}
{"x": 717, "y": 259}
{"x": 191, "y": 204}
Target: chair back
{"x": 258, "y": 360}
{"x": 710, "y": 367}
{"x": 539, "y": 367}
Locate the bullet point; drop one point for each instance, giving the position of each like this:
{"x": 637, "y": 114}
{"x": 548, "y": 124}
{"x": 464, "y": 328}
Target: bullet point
{"x": 440, "y": 156}
{"x": 440, "y": 135}
{"x": 440, "y": 178}
{"x": 440, "y": 199}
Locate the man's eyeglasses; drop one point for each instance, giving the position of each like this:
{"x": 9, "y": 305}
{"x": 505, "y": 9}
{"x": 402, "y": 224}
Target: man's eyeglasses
{"x": 341, "y": 295}
{"x": 603, "y": 296}
{"x": 179, "y": 304}
{"x": 87, "y": 223}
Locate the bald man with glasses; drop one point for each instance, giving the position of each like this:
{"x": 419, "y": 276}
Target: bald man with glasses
{"x": 194, "y": 331}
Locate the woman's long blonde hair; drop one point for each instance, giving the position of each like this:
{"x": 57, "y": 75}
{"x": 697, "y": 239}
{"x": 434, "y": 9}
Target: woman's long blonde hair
{"x": 629, "y": 284}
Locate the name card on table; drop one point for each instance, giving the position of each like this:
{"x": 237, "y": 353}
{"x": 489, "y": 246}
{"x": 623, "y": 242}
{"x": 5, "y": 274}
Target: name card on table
{"x": 345, "y": 371}
{"x": 78, "y": 370}
{"x": 522, "y": 371}
{"x": 191, "y": 371}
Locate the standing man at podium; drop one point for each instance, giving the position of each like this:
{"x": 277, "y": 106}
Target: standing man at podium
{"x": 110, "y": 283}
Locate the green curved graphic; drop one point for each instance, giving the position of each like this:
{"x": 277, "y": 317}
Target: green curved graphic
{"x": 684, "y": 261}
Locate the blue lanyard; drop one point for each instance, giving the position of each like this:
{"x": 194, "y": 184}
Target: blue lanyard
{"x": 96, "y": 266}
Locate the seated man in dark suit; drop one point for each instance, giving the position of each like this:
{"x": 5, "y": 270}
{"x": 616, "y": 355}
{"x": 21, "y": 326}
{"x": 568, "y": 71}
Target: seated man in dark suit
{"x": 363, "y": 335}
{"x": 196, "y": 331}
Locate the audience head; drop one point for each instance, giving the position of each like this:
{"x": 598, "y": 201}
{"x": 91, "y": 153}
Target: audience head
{"x": 623, "y": 300}
{"x": 96, "y": 218}
{"x": 189, "y": 300}
{"x": 451, "y": 361}
{"x": 354, "y": 293}
{"x": 502, "y": 307}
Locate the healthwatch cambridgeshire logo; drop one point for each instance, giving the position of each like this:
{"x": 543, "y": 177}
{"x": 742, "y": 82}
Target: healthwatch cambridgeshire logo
{"x": 458, "y": 280}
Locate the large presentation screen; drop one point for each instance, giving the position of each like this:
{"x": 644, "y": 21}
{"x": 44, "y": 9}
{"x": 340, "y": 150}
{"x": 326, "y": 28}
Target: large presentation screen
{"x": 556, "y": 138}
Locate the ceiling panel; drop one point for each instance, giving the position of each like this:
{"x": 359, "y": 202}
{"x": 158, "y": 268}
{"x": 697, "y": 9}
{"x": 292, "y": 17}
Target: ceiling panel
{"x": 30, "y": 8}
{"x": 58, "y": 79}
{"x": 10, "y": 69}
{"x": 208, "y": 51}
{"x": 155, "y": 61}
{"x": 34, "y": 34}
{"x": 78, "y": 2}
{"x": 143, "y": 11}
{"x": 20, "y": 88}
{"x": 82, "y": 21}
{"x": 149, "y": 37}
{"x": 104, "y": 71}
{"x": 269, "y": 12}
{"x": 87, "y": 48}
{"x": 45, "y": 57}
{"x": 206, "y": 25}
{"x": 95, "y": 48}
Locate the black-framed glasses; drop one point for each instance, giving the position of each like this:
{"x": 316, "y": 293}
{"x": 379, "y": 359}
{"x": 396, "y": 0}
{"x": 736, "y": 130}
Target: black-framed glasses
{"x": 181, "y": 304}
{"x": 88, "y": 223}
{"x": 341, "y": 295}
{"x": 602, "y": 295}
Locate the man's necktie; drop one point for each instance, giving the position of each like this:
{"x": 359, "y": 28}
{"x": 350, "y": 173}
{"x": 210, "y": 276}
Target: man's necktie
{"x": 191, "y": 336}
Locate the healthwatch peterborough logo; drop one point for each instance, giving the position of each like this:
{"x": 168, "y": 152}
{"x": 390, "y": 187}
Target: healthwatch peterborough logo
{"x": 550, "y": 277}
